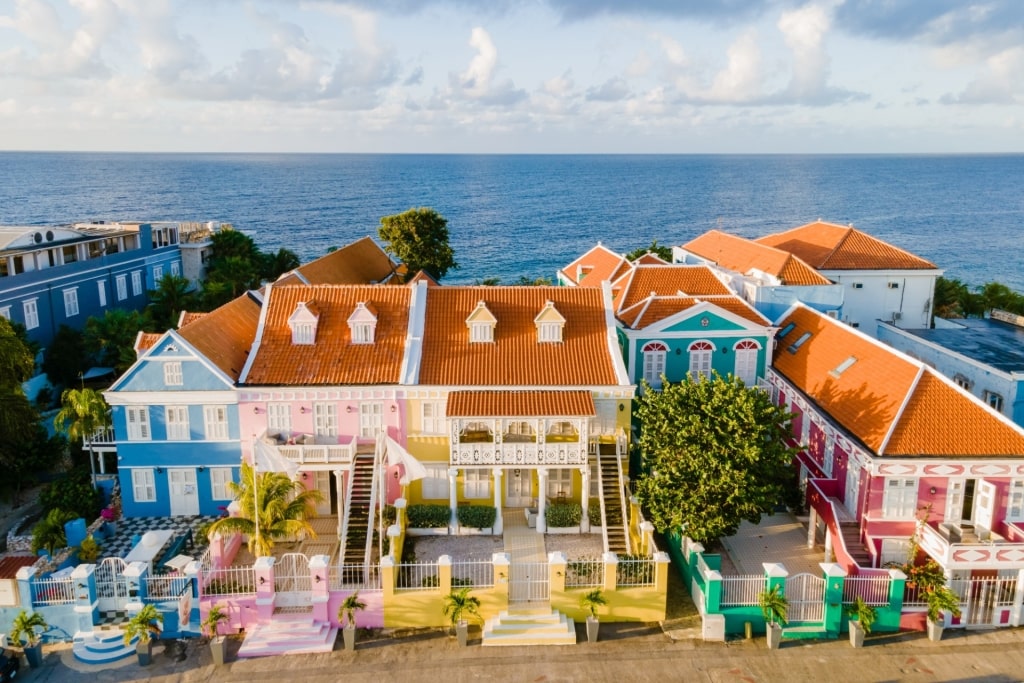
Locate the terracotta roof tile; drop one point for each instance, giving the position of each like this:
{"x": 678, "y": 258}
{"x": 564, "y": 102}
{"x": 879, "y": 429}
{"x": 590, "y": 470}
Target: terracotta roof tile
{"x": 424, "y": 276}
{"x": 739, "y": 307}
{"x": 525, "y": 403}
{"x": 596, "y": 266}
{"x": 670, "y": 280}
{"x": 10, "y": 565}
{"x": 146, "y": 340}
{"x": 361, "y": 263}
{"x": 187, "y": 317}
{"x": 650, "y": 259}
{"x": 741, "y": 255}
{"x": 225, "y": 334}
{"x": 827, "y": 246}
{"x": 654, "y": 309}
{"x": 332, "y": 359}
{"x": 515, "y": 357}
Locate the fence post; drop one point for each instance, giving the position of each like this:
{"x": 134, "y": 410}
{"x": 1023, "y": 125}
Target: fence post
{"x": 695, "y": 549}
{"x": 557, "y": 564}
{"x": 502, "y": 563}
{"x": 263, "y": 569}
{"x": 24, "y": 577}
{"x": 387, "y": 579}
{"x": 192, "y": 572}
{"x": 217, "y": 551}
{"x": 611, "y": 571}
{"x": 713, "y": 591}
{"x": 444, "y": 574}
{"x": 835, "y": 578}
{"x": 662, "y": 562}
{"x": 775, "y": 576}
{"x": 87, "y": 604}
{"x": 647, "y": 534}
{"x": 400, "y": 512}
{"x": 320, "y": 582}
{"x": 897, "y": 592}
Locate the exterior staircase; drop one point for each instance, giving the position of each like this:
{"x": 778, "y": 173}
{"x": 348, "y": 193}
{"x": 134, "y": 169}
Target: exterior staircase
{"x": 101, "y": 647}
{"x": 612, "y": 499}
{"x": 288, "y": 636}
{"x": 850, "y": 531}
{"x": 529, "y": 627}
{"x": 360, "y": 504}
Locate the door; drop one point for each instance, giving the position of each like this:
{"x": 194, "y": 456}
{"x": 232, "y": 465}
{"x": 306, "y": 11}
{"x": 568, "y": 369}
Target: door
{"x": 852, "y": 486}
{"x": 322, "y": 483}
{"x": 184, "y": 494}
{"x": 984, "y": 505}
{"x": 518, "y": 489}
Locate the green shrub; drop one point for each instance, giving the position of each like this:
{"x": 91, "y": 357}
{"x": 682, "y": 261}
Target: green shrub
{"x": 594, "y": 512}
{"x": 428, "y": 516}
{"x": 73, "y": 492}
{"x": 563, "y": 514}
{"x": 390, "y": 515}
{"x": 477, "y": 516}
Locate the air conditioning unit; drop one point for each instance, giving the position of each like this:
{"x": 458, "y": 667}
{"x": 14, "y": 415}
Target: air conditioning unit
{"x": 832, "y": 314}
{"x": 894, "y": 285}
{"x": 858, "y": 285}
{"x": 896, "y": 315}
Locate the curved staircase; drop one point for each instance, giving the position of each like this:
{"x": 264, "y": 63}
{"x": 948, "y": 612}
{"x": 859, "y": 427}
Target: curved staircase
{"x": 101, "y": 647}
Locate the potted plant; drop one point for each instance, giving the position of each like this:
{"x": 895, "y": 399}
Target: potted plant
{"x": 773, "y": 605}
{"x": 89, "y": 550}
{"x": 348, "y": 609}
{"x": 865, "y": 616}
{"x": 591, "y": 601}
{"x": 458, "y": 605}
{"x": 211, "y": 629}
{"x": 145, "y": 626}
{"x": 940, "y": 599}
{"x": 109, "y": 516}
{"x": 24, "y": 632}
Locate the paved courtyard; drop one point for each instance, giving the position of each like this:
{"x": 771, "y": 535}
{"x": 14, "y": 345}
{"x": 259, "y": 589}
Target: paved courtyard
{"x": 779, "y": 538}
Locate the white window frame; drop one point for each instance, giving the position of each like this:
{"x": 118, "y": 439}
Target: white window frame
{"x": 1015, "y": 501}
{"x": 434, "y": 486}
{"x": 158, "y": 273}
{"x": 172, "y": 373}
{"x": 432, "y": 419}
{"x": 279, "y": 418}
{"x": 143, "y": 485}
{"x": 655, "y": 354}
{"x": 136, "y": 283}
{"x": 325, "y": 419}
{"x": 5, "y": 312}
{"x": 560, "y": 481}
{"x": 994, "y": 400}
{"x": 955, "y": 491}
{"x": 371, "y": 419}
{"x": 899, "y": 500}
{"x": 362, "y": 333}
{"x": 220, "y": 477}
{"x": 746, "y": 351}
{"x": 31, "y": 310}
{"x": 121, "y": 281}
{"x": 71, "y": 302}
{"x": 101, "y": 290}
{"x": 701, "y": 352}
{"x": 177, "y": 417}
{"x": 481, "y": 332}
{"x": 215, "y": 423}
{"x": 303, "y": 333}
{"x": 476, "y": 484}
{"x": 137, "y": 419}
{"x": 175, "y": 268}
{"x": 550, "y": 333}
{"x": 894, "y": 550}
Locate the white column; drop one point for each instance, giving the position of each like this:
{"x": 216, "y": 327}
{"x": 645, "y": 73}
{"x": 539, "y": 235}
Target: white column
{"x": 811, "y": 524}
{"x": 339, "y": 479}
{"x": 1018, "y": 600}
{"x": 103, "y": 461}
{"x": 453, "y": 498}
{"x": 828, "y": 545}
{"x": 542, "y": 499}
{"x": 585, "y": 499}
{"x": 498, "y": 522}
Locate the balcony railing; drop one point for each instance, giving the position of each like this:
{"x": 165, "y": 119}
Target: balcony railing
{"x": 962, "y": 548}
{"x": 561, "y": 453}
{"x": 103, "y": 436}
{"x": 303, "y": 450}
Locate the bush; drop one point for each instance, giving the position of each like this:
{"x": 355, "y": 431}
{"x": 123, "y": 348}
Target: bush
{"x": 73, "y": 492}
{"x": 477, "y": 516}
{"x": 428, "y": 516}
{"x": 594, "y": 512}
{"x": 563, "y": 515}
{"x": 89, "y": 551}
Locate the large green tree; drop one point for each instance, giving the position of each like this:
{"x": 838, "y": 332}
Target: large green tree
{"x": 111, "y": 337}
{"x": 419, "y": 239}
{"x": 714, "y": 454}
{"x": 17, "y": 362}
{"x": 173, "y": 294}
{"x": 65, "y": 357}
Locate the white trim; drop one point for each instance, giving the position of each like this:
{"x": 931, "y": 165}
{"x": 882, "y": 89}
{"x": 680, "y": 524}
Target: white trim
{"x": 254, "y": 350}
{"x": 706, "y": 307}
{"x": 619, "y": 363}
{"x": 412, "y": 355}
{"x": 194, "y": 355}
{"x": 947, "y": 351}
{"x": 133, "y": 398}
{"x": 899, "y": 413}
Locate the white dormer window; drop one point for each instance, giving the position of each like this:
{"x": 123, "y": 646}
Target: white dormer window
{"x": 481, "y": 323}
{"x": 549, "y": 324}
{"x": 363, "y": 323}
{"x": 303, "y": 322}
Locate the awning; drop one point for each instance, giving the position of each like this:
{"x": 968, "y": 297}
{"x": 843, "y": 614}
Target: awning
{"x": 520, "y": 404}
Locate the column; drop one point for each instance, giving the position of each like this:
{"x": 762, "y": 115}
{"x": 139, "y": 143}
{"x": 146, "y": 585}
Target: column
{"x": 192, "y": 572}
{"x": 835, "y": 578}
{"x": 889, "y": 620}
{"x": 444, "y": 574}
{"x": 339, "y": 479}
{"x": 263, "y": 569}
{"x": 453, "y": 499}
{"x": 812, "y": 523}
{"x": 542, "y": 499}
{"x": 24, "y": 577}
{"x": 498, "y": 522}
{"x": 585, "y": 498}
{"x": 87, "y": 606}
{"x": 502, "y": 563}
{"x": 320, "y": 594}
{"x": 557, "y": 564}
{"x": 828, "y": 544}
{"x": 646, "y": 538}
{"x": 611, "y": 571}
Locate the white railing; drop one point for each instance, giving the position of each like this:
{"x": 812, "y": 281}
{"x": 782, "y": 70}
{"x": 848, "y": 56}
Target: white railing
{"x": 992, "y": 592}
{"x": 476, "y": 573}
{"x": 348, "y": 509}
{"x": 229, "y": 581}
{"x": 600, "y": 500}
{"x": 53, "y": 591}
{"x": 635, "y": 572}
{"x": 742, "y": 590}
{"x": 622, "y": 502}
{"x": 376, "y": 483}
{"x": 520, "y": 454}
{"x": 584, "y": 573}
{"x": 874, "y": 590}
{"x": 166, "y": 587}
{"x": 101, "y": 435}
{"x": 416, "y": 577}
{"x": 302, "y": 449}
{"x": 355, "y": 577}
{"x": 205, "y": 562}
{"x": 914, "y": 597}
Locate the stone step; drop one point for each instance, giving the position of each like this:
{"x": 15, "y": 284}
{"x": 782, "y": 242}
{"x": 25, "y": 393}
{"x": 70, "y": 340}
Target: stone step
{"x": 519, "y": 628}
{"x": 101, "y": 647}
{"x": 287, "y": 637}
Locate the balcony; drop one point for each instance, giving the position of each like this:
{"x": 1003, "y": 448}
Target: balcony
{"x": 519, "y": 442}
{"x": 965, "y": 547}
{"x": 306, "y": 449}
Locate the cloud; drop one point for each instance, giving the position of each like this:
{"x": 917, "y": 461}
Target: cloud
{"x": 477, "y": 82}
{"x": 938, "y": 22}
{"x": 612, "y": 90}
{"x": 56, "y": 52}
{"x": 1001, "y": 81}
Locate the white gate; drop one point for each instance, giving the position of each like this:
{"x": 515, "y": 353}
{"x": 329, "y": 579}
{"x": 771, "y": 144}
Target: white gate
{"x": 111, "y": 589}
{"x": 292, "y": 582}
{"x": 528, "y": 582}
{"x": 806, "y": 596}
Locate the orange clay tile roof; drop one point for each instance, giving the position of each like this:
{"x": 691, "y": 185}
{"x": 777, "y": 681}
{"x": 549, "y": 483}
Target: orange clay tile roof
{"x": 525, "y": 403}
{"x": 655, "y": 309}
{"x": 146, "y": 340}
{"x": 650, "y": 259}
{"x": 187, "y": 317}
{"x": 10, "y": 565}
{"x": 225, "y": 334}
{"x": 642, "y": 281}
{"x": 424, "y": 276}
{"x": 866, "y": 398}
{"x": 515, "y": 357}
{"x": 359, "y": 263}
{"x": 332, "y": 359}
{"x": 827, "y": 246}
{"x": 596, "y": 266}
{"x": 741, "y": 255}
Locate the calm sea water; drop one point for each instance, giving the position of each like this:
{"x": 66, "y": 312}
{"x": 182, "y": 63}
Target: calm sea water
{"x": 528, "y": 215}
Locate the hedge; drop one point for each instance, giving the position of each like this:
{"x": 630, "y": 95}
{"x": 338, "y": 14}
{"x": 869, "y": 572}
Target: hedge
{"x": 594, "y": 512}
{"x": 563, "y": 514}
{"x": 428, "y": 516}
{"x": 477, "y": 516}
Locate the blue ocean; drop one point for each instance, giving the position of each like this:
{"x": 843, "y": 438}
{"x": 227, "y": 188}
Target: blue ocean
{"x": 512, "y": 216}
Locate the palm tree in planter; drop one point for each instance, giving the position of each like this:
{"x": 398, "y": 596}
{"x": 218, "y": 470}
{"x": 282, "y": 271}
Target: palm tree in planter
{"x": 26, "y": 630}
{"x": 458, "y": 605}
{"x": 773, "y": 605}
{"x": 145, "y": 626}
{"x": 865, "y": 616}
{"x": 590, "y": 602}
{"x": 211, "y": 627}
{"x": 940, "y": 599}
{"x": 348, "y": 609}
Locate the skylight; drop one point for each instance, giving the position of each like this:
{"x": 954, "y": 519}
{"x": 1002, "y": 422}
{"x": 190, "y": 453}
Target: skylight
{"x": 843, "y": 367}
{"x": 799, "y": 342}
{"x": 786, "y": 330}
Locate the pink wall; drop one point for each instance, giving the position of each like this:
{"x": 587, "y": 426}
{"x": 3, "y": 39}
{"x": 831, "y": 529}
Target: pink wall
{"x": 242, "y": 610}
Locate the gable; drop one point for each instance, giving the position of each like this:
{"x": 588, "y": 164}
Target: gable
{"x": 704, "y": 319}
{"x": 150, "y": 372}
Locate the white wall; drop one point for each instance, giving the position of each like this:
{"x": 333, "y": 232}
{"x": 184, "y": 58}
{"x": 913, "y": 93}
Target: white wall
{"x": 875, "y": 299}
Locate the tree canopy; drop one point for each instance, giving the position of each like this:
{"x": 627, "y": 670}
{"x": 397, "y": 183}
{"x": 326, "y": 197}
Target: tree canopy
{"x": 111, "y": 338}
{"x": 714, "y": 454}
{"x": 17, "y": 362}
{"x": 659, "y": 250}
{"x": 956, "y": 299}
{"x": 419, "y": 239}
{"x": 172, "y": 296}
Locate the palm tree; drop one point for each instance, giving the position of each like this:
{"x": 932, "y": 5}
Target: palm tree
{"x": 111, "y": 338}
{"x": 459, "y": 604}
{"x": 83, "y": 412}
{"x": 284, "y": 506}
{"x": 145, "y": 625}
{"x": 169, "y": 299}
{"x": 49, "y": 533}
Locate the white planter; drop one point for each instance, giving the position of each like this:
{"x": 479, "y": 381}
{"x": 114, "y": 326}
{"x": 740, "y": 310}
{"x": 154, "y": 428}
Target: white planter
{"x": 470, "y": 531}
{"x": 856, "y": 634}
{"x": 773, "y": 634}
{"x": 934, "y": 630}
{"x": 439, "y": 531}
{"x": 593, "y": 627}
{"x": 563, "y": 529}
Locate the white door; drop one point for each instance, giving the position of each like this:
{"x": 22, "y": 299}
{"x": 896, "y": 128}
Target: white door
{"x": 984, "y": 505}
{"x": 322, "y": 483}
{"x": 852, "y": 487}
{"x": 518, "y": 491}
{"x": 184, "y": 493}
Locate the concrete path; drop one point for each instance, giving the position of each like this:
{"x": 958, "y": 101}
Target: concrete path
{"x": 779, "y": 538}
{"x": 522, "y": 543}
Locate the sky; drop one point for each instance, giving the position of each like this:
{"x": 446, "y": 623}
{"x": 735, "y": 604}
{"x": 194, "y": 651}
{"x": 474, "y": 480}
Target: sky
{"x": 513, "y": 76}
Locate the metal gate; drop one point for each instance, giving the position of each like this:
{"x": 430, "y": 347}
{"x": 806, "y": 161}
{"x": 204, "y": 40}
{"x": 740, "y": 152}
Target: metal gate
{"x": 111, "y": 589}
{"x": 984, "y": 601}
{"x": 806, "y": 596}
{"x": 528, "y": 582}
{"x": 292, "y": 582}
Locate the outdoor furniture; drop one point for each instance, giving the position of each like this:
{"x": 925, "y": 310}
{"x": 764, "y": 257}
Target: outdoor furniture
{"x": 148, "y": 546}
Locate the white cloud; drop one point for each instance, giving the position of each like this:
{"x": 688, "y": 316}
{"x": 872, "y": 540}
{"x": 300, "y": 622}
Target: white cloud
{"x": 1001, "y": 81}
{"x": 740, "y": 80}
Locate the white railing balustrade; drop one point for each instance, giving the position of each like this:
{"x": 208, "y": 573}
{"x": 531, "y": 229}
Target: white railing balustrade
{"x": 166, "y": 587}
{"x": 229, "y": 581}
{"x": 475, "y": 573}
{"x": 874, "y": 590}
{"x": 995, "y": 592}
{"x": 417, "y": 577}
{"x": 742, "y": 590}
{"x": 355, "y": 577}
{"x": 584, "y": 573}
{"x": 632, "y": 571}
{"x": 53, "y": 591}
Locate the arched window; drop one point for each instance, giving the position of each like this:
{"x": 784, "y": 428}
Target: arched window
{"x": 746, "y": 361}
{"x": 700, "y": 359}
{"x": 654, "y": 362}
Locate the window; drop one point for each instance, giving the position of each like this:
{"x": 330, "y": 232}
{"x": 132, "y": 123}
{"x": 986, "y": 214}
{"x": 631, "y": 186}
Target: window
{"x": 746, "y": 361}
{"x": 1015, "y": 500}
{"x": 362, "y": 333}
{"x": 101, "y": 287}
{"x": 279, "y": 418}
{"x": 122, "y": 287}
{"x": 962, "y": 381}
{"x": 303, "y": 333}
{"x": 432, "y": 418}
{"x": 175, "y": 268}
{"x": 142, "y": 485}
{"x": 995, "y": 400}
{"x": 138, "y": 423}
{"x": 370, "y": 419}
{"x": 476, "y": 483}
{"x": 435, "y": 484}
{"x": 786, "y": 330}
{"x": 216, "y": 419}
{"x": 654, "y": 363}
{"x": 559, "y": 484}
{"x": 325, "y": 419}
{"x": 700, "y": 359}
{"x": 177, "y": 423}
{"x": 894, "y": 550}
{"x": 158, "y": 272}
{"x": 843, "y": 367}
{"x": 550, "y": 332}
{"x": 900, "y": 500}
{"x": 799, "y": 342}
{"x": 5, "y": 312}
{"x": 136, "y": 282}
{"x": 31, "y": 309}
{"x": 172, "y": 373}
{"x": 481, "y": 332}
{"x": 219, "y": 479}
{"x": 894, "y": 285}
{"x": 70, "y": 302}
{"x": 858, "y": 285}
{"x": 519, "y": 431}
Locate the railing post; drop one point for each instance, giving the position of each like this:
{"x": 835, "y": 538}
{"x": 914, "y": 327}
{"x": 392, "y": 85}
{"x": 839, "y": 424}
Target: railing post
{"x": 713, "y": 591}
{"x": 557, "y": 564}
{"x": 897, "y": 593}
{"x": 135, "y": 575}
{"x": 320, "y": 582}
{"x": 217, "y": 551}
{"x": 263, "y": 569}
{"x": 611, "y": 571}
{"x": 24, "y": 577}
{"x": 775, "y": 577}
{"x": 835, "y": 578}
{"x": 647, "y": 538}
{"x": 444, "y": 574}
{"x": 585, "y": 498}
{"x": 453, "y": 501}
{"x": 87, "y": 604}
{"x": 387, "y": 580}
{"x": 542, "y": 499}
{"x": 499, "y": 523}
{"x": 192, "y": 572}
{"x": 502, "y": 563}
{"x": 695, "y": 550}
